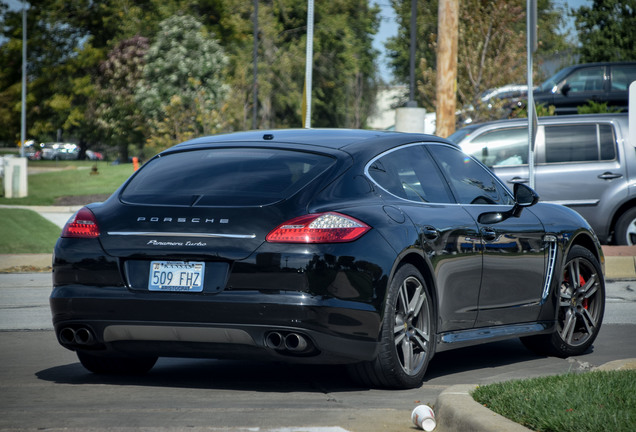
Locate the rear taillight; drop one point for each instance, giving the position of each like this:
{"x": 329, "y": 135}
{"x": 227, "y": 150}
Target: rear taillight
{"x": 319, "y": 228}
{"x": 83, "y": 224}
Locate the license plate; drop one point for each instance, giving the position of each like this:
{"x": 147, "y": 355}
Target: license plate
{"x": 183, "y": 276}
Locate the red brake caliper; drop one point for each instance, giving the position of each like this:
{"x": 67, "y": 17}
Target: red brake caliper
{"x": 582, "y": 282}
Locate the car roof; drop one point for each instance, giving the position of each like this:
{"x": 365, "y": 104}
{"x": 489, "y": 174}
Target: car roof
{"x": 337, "y": 139}
{"x": 618, "y": 63}
{"x": 553, "y": 119}
{"x": 621, "y": 118}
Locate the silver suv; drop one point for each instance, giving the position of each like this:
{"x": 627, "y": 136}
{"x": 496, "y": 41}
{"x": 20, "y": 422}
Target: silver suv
{"x": 581, "y": 161}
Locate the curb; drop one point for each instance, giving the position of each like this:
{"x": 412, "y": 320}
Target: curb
{"x": 25, "y": 263}
{"x": 620, "y": 262}
{"x": 620, "y": 267}
{"x": 456, "y": 410}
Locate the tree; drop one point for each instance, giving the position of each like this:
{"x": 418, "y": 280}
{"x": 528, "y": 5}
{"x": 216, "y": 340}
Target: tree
{"x": 183, "y": 82}
{"x": 344, "y": 76}
{"x": 117, "y": 113}
{"x": 607, "y": 30}
{"x": 344, "y": 64}
{"x": 53, "y": 63}
{"x": 68, "y": 92}
{"x": 491, "y": 53}
{"x": 398, "y": 47}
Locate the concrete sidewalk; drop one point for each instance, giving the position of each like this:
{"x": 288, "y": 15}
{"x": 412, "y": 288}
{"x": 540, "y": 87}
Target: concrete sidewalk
{"x": 59, "y": 215}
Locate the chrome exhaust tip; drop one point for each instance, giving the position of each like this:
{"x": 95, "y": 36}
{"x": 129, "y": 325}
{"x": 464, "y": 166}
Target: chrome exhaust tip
{"x": 274, "y": 340}
{"x": 83, "y": 336}
{"x": 295, "y": 342}
{"x": 67, "y": 336}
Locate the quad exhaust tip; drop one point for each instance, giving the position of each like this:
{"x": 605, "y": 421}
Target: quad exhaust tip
{"x": 294, "y": 343}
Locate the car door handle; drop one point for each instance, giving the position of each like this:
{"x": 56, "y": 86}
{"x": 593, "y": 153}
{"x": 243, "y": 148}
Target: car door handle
{"x": 488, "y": 234}
{"x": 518, "y": 180}
{"x": 430, "y": 233}
{"x": 609, "y": 176}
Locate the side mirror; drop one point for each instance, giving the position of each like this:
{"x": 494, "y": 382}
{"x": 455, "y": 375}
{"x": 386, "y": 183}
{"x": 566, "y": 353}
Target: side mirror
{"x": 524, "y": 197}
{"x": 565, "y": 89}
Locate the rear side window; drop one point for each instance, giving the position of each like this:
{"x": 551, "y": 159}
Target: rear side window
{"x": 622, "y": 77}
{"x": 579, "y": 143}
{"x": 224, "y": 177}
{"x": 410, "y": 173}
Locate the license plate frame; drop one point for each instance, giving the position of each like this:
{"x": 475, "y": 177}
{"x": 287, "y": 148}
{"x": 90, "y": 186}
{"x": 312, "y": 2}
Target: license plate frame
{"x": 176, "y": 276}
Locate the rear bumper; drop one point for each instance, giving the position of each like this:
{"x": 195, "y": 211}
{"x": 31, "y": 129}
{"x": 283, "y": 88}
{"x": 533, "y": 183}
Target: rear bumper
{"x": 225, "y": 325}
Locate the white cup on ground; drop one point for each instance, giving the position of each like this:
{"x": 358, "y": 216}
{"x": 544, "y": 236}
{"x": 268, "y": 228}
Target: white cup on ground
{"x": 424, "y": 417}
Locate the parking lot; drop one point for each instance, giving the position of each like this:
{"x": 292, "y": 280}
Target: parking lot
{"x": 42, "y": 385}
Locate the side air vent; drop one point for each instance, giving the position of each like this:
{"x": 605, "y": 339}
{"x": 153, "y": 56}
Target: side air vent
{"x": 552, "y": 252}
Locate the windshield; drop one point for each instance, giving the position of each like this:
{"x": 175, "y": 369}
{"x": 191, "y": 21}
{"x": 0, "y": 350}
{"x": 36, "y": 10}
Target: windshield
{"x": 462, "y": 134}
{"x": 550, "y": 84}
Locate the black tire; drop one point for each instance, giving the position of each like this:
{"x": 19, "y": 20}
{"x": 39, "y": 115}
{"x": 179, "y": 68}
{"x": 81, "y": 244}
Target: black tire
{"x": 407, "y": 340}
{"x": 111, "y": 365}
{"x": 580, "y": 309}
{"x": 625, "y": 231}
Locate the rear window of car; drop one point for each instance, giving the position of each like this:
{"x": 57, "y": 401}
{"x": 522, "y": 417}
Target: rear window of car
{"x": 224, "y": 177}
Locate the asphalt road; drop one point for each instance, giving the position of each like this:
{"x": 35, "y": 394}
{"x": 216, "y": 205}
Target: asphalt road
{"x": 42, "y": 385}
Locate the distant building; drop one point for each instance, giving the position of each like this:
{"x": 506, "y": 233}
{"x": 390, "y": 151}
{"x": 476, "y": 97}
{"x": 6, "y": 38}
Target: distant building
{"x": 388, "y": 99}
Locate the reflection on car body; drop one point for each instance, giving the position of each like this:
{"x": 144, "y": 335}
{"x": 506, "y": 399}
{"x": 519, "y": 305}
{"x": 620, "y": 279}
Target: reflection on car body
{"x": 365, "y": 248}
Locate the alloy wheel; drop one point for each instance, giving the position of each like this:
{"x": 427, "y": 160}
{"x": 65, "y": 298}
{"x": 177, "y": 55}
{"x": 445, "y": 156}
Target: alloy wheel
{"x": 580, "y": 310}
{"x": 412, "y": 326}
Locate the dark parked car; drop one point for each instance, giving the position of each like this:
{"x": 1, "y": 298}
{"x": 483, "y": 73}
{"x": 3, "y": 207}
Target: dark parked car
{"x": 367, "y": 248}
{"x": 576, "y": 85}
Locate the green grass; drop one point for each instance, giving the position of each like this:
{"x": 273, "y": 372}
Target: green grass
{"x": 592, "y": 401}
{"x": 25, "y": 231}
{"x": 69, "y": 178}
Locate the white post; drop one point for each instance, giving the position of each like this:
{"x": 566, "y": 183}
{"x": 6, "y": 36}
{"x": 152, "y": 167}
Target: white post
{"x": 24, "y": 79}
{"x": 632, "y": 114}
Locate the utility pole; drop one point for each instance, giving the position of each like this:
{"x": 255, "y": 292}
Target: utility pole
{"x": 447, "y": 35}
{"x": 411, "y": 103}
{"x": 410, "y": 118}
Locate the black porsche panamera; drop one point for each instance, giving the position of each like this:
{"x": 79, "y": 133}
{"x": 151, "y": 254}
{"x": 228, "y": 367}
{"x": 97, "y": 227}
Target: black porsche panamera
{"x": 366, "y": 248}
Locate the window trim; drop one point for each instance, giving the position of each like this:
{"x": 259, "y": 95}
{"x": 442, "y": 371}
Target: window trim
{"x": 448, "y": 187}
